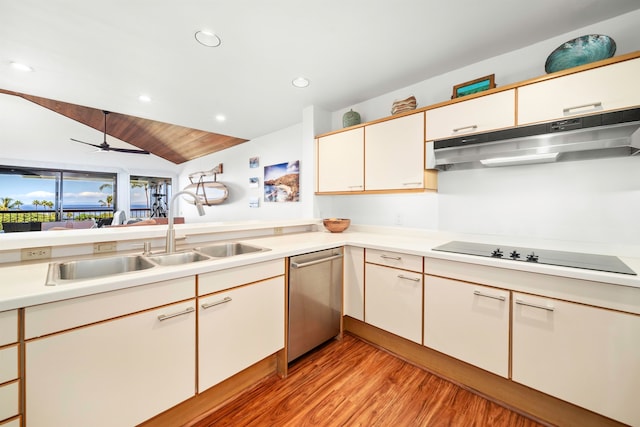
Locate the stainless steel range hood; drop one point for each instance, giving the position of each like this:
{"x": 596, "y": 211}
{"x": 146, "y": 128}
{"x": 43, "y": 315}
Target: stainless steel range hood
{"x": 596, "y": 136}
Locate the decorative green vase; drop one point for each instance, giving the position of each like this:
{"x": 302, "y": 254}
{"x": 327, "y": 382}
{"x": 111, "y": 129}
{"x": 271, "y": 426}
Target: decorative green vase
{"x": 350, "y": 118}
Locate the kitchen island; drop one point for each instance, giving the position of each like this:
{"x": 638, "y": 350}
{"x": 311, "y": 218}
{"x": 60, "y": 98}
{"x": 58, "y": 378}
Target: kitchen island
{"x": 598, "y": 297}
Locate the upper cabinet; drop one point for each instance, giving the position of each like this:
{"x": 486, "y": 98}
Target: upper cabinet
{"x": 599, "y": 89}
{"x": 340, "y": 159}
{"x": 394, "y": 154}
{"x": 482, "y": 114}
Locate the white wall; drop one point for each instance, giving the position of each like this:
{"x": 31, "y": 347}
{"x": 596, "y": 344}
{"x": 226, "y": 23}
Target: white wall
{"x": 279, "y": 147}
{"x": 587, "y": 201}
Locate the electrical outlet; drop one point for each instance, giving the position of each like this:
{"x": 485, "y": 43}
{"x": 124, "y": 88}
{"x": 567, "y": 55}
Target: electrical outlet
{"x": 102, "y": 247}
{"x": 27, "y": 254}
{"x": 277, "y": 230}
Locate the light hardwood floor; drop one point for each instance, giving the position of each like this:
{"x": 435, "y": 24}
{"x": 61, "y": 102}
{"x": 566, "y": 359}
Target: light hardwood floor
{"x": 351, "y": 383}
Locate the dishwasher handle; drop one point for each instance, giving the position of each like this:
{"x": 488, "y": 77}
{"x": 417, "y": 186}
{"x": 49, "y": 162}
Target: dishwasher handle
{"x": 317, "y": 261}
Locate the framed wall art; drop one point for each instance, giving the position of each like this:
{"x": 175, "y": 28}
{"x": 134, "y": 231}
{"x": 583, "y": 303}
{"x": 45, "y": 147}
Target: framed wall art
{"x": 282, "y": 182}
{"x": 474, "y": 86}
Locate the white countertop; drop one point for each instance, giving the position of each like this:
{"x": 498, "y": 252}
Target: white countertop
{"x": 24, "y": 284}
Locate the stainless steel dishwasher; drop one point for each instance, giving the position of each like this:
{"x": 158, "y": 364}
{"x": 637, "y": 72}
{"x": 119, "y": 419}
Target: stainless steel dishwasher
{"x": 315, "y": 300}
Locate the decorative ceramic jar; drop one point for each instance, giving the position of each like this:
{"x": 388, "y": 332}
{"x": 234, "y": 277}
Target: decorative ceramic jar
{"x": 350, "y": 118}
{"x": 580, "y": 51}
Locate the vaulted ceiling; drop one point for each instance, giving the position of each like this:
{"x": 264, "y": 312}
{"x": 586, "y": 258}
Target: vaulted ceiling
{"x": 175, "y": 143}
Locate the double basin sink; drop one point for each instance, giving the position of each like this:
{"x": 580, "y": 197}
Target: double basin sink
{"x": 66, "y": 272}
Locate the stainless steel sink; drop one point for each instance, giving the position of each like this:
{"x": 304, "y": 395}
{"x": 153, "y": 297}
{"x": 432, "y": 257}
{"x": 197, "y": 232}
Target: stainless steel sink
{"x": 229, "y": 249}
{"x": 92, "y": 268}
{"x": 177, "y": 258}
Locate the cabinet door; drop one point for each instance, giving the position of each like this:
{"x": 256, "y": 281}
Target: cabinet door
{"x": 341, "y": 161}
{"x": 393, "y": 301}
{"x": 354, "y": 282}
{"x": 599, "y": 89}
{"x": 491, "y": 112}
{"x": 468, "y": 322}
{"x": 115, "y": 373}
{"x": 238, "y": 328}
{"x": 394, "y": 154}
{"x": 584, "y": 355}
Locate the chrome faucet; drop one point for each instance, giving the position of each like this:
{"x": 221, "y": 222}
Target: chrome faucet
{"x": 171, "y": 234}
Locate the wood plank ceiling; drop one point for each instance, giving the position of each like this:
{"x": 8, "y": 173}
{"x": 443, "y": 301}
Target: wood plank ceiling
{"x": 174, "y": 143}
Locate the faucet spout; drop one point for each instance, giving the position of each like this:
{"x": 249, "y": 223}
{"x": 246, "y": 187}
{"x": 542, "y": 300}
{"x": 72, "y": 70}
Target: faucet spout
{"x": 171, "y": 234}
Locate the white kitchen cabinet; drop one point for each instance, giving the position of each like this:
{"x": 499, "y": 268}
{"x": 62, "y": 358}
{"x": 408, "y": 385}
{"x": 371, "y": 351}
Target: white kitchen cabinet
{"x": 9, "y": 365}
{"x": 238, "y": 328}
{"x": 598, "y": 89}
{"x": 394, "y": 154}
{"x": 584, "y": 355}
{"x": 393, "y": 296}
{"x": 120, "y": 371}
{"x": 490, "y": 112}
{"x": 468, "y": 322}
{"x": 8, "y": 327}
{"x": 341, "y": 161}
{"x": 354, "y": 282}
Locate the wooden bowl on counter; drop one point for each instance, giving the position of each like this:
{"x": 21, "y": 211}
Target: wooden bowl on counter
{"x": 336, "y": 225}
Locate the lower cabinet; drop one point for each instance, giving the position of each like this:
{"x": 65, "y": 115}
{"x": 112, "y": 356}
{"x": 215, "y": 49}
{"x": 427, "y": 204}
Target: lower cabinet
{"x": 238, "y": 328}
{"x": 118, "y": 371}
{"x": 393, "y": 301}
{"x": 354, "y": 282}
{"x": 584, "y": 355}
{"x": 468, "y": 322}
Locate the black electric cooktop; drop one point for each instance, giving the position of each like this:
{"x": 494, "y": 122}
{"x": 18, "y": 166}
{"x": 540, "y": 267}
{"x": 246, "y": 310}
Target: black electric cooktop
{"x": 585, "y": 261}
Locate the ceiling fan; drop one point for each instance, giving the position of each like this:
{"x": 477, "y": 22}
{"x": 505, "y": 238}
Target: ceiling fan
{"x": 106, "y": 147}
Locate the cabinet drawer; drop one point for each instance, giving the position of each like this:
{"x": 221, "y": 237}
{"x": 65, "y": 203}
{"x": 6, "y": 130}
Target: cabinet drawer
{"x": 8, "y": 327}
{"x": 58, "y": 316}
{"x": 16, "y": 422}
{"x": 496, "y": 111}
{"x": 8, "y": 364}
{"x": 468, "y": 322}
{"x": 9, "y": 400}
{"x": 226, "y": 279}
{"x": 591, "y": 91}
{"x": 394, "y": 259}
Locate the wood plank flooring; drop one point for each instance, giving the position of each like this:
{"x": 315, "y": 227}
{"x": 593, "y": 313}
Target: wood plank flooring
{"x": 351, "y": 383}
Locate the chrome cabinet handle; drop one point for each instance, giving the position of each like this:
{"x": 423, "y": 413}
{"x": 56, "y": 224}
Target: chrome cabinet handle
{"x": 413, "y": 279}
{"x": 411, "y": 183}
{"x": 395, "y": 258}
{"x": 481, "y": 294}
{"x": 318, "y": 261}
{"x": 577, "y": 107}
{"x": 530, "y": 304}
{"x": 213, "y": 304}
{"x": 354, "y": 186}
{"x": 471, "y": 127}
{"x": 179, "y": 313}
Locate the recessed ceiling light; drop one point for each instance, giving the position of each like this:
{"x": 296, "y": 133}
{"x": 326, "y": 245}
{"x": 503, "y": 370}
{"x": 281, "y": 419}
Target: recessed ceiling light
{"x": 21, "y": 67}
{"x": 207, "y": 38}
{"x": 300, "y": 82}
{"x": 144, "y": 98}
{"x": 220, "y": 118}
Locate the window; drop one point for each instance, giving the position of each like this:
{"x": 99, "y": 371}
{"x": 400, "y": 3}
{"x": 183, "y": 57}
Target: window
{"x": 32, "y": 195}
{"x": 149, "y": 196}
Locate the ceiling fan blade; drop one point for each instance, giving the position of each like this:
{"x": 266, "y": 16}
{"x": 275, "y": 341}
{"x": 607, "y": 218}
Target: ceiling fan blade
{"x": 87, "y": 143}
{"x": 127, "y": 150}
